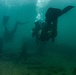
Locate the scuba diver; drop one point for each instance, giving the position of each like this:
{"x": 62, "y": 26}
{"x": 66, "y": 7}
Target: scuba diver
{"x": 8, "y": 35}
{"x": 49, "y": 27}
{"x": 36, "y": 31}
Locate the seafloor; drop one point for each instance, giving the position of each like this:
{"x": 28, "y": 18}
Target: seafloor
{"x": 59, "y": 60}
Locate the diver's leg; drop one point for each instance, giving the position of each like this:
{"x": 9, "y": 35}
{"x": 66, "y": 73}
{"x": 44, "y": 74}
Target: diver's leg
{"x": 66, "y": 9}
{"x": 16, "y": 25}
{"x": 5, "y": 20}
{"x": 21, "y": 23}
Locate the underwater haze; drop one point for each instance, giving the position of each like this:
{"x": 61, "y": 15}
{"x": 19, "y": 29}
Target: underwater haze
{"x": 21, "y": 55}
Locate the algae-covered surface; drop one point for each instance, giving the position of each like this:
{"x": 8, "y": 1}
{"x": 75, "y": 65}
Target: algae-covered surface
{"x": 48, "y": 63}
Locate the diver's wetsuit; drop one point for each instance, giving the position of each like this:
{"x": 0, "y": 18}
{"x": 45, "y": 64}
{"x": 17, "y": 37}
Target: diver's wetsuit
{"x": 49, "y": 29}
{"x": 37, "y": 30}
{"x": 52, "y": 15}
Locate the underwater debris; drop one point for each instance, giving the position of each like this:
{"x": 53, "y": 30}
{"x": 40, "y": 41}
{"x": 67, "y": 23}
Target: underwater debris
{"x": 55, "y": 70}
{"x": 51, "y": 69}
{"x": 39, "y": 73}
{"x": 10, "y": 56}
{"x": 25, "y": 74}
{"x": 1, "y": 47}
{"x": 23, "y": 53}
{"x": 61, "y": 69}
{"x": 74, "y": 71}
{"x": 49, "y": 73}
{"x": 28, "y": 73}
{"x": 63, "y": 74}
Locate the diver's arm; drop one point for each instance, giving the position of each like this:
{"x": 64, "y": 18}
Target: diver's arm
{"x": 55, "y": 25}
{"x": 54, "y": 30}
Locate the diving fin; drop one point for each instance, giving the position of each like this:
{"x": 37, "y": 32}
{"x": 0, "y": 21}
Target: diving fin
{"x": 66, "y": 9}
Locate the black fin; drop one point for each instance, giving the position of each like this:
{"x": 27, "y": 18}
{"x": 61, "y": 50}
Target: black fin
{"x": 66, "y": 9}
{"x": 52, "y": 14}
